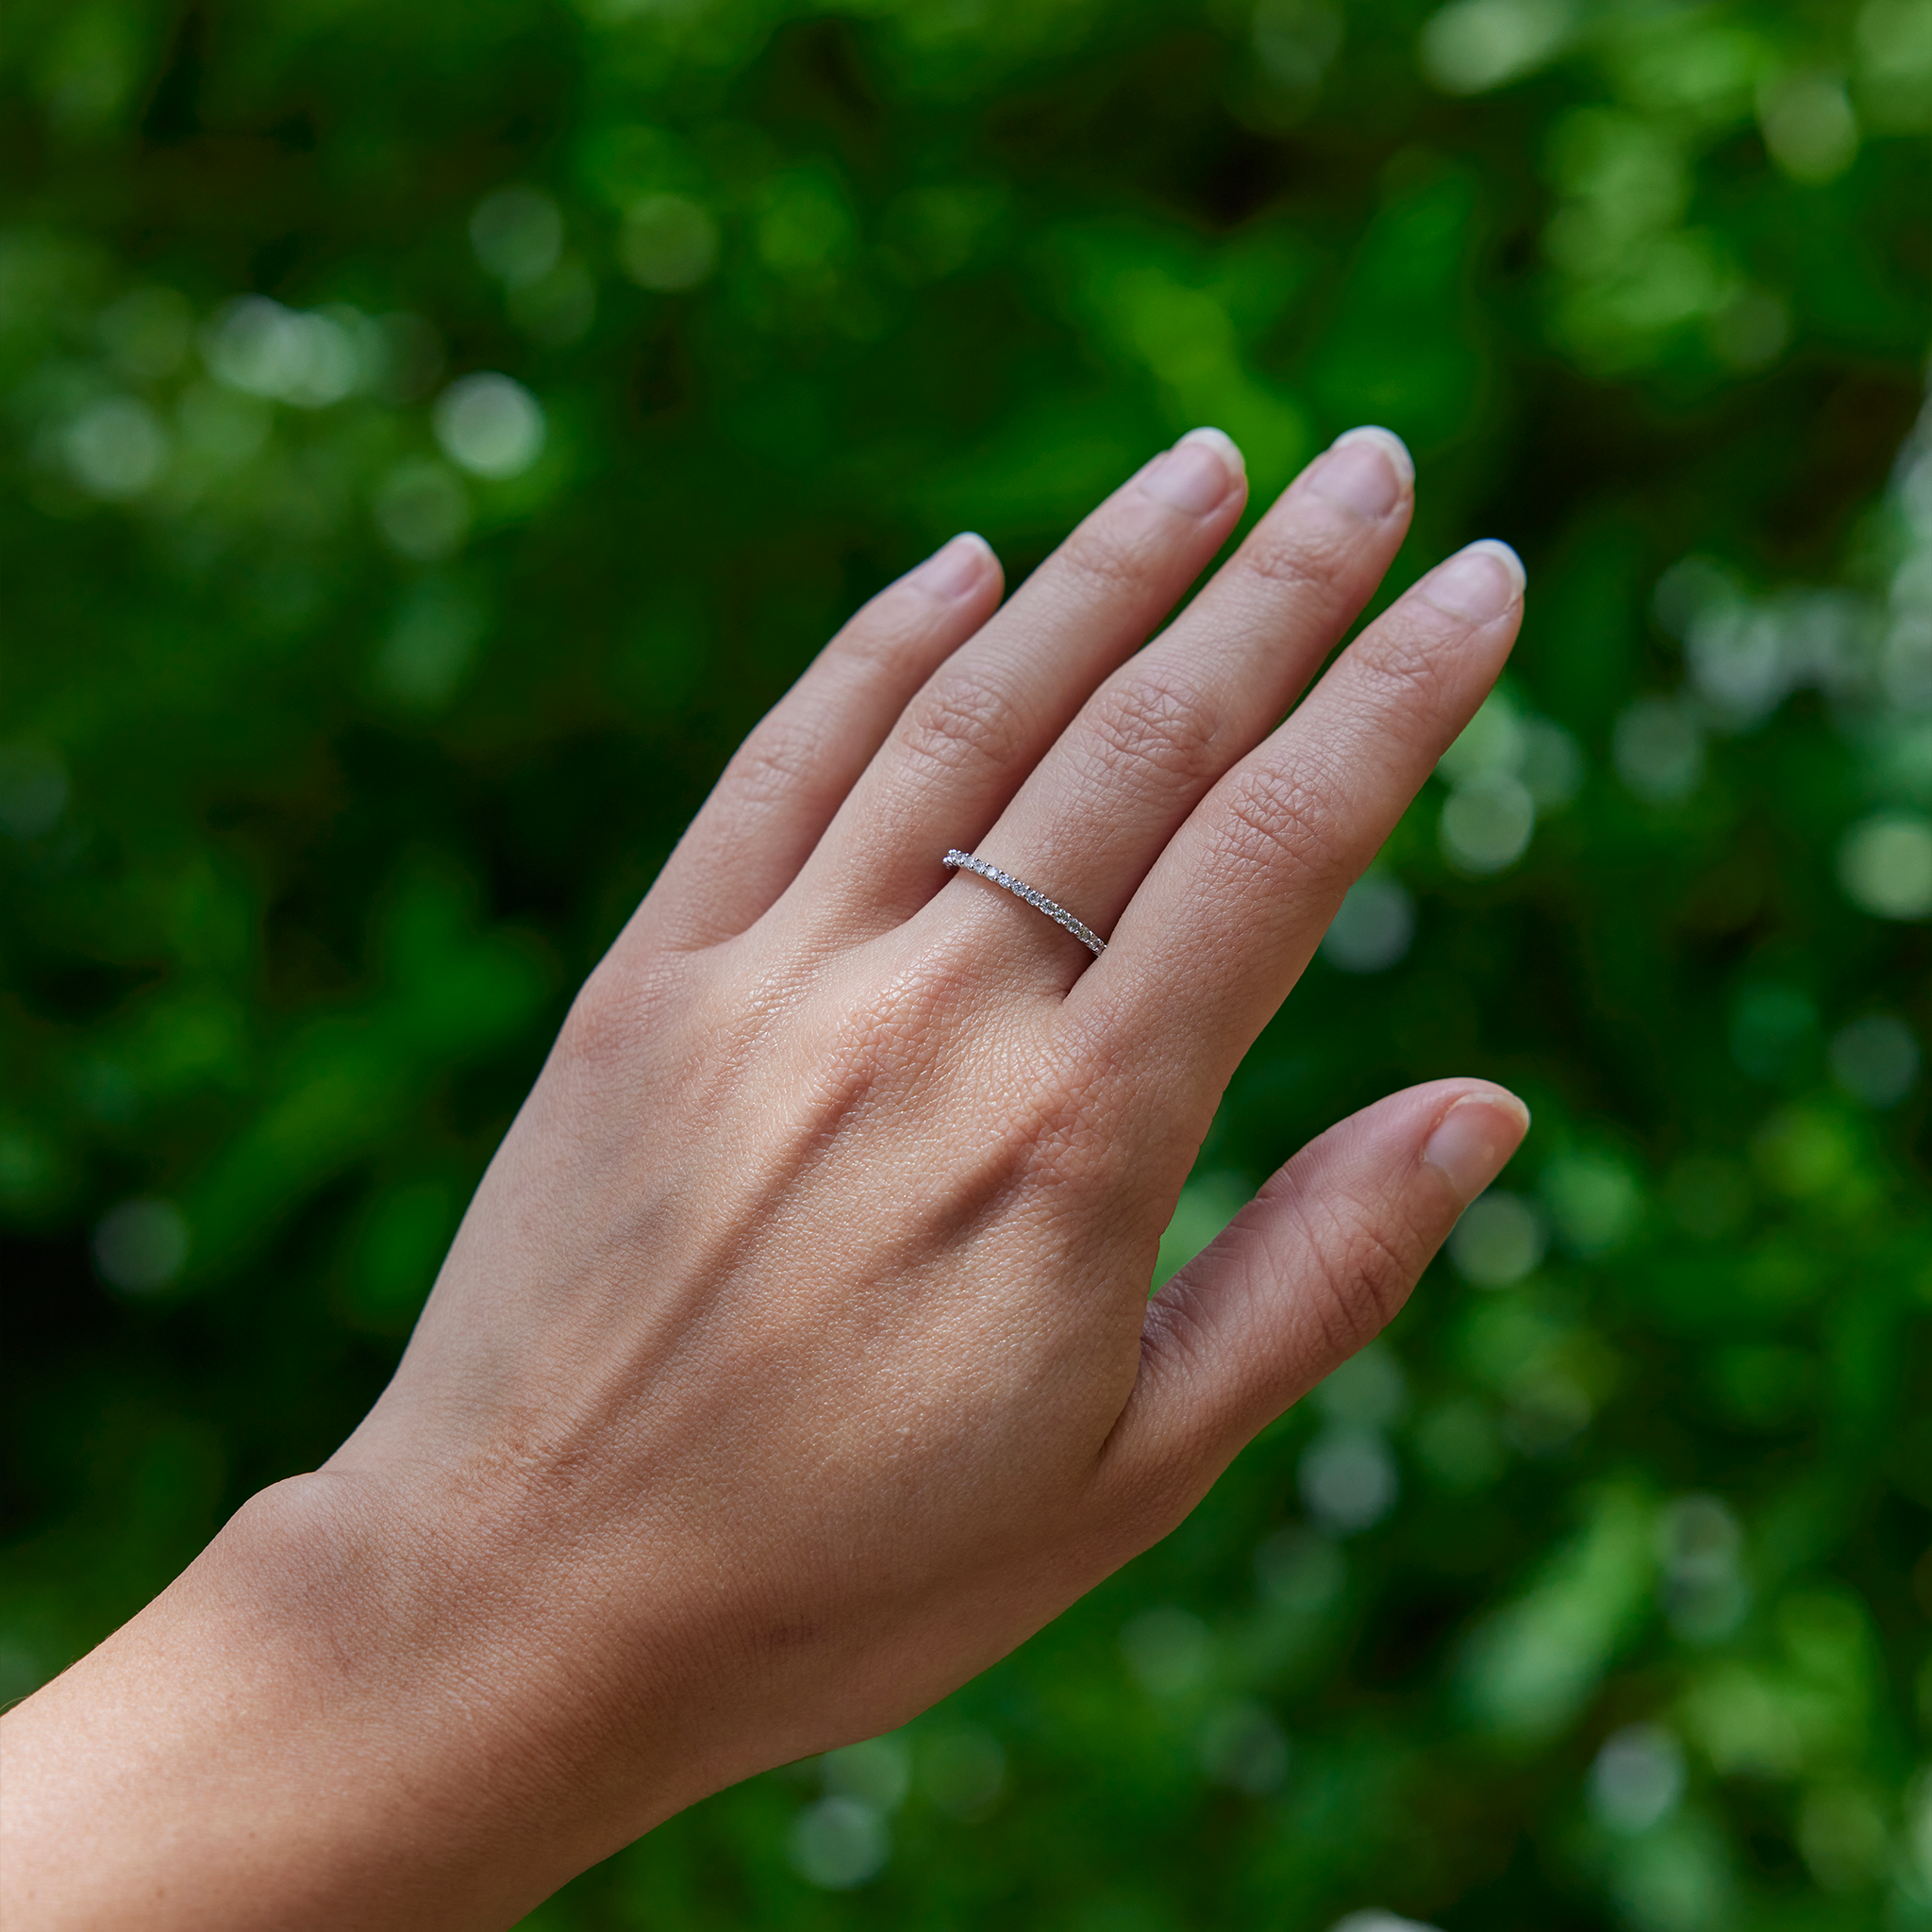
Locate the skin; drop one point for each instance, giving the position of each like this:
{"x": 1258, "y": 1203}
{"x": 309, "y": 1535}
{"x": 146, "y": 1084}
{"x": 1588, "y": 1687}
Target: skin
{"x": 794, "y": 1359}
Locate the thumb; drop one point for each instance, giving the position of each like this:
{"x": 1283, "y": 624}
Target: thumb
{"x": 1311, "y": 1270}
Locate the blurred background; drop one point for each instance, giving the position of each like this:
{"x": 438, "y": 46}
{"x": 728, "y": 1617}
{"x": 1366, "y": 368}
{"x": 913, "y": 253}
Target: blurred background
{"x": 433, "y": 433}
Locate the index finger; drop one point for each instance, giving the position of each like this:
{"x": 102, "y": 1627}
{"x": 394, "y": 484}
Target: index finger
{"x": 1223, "y": 925}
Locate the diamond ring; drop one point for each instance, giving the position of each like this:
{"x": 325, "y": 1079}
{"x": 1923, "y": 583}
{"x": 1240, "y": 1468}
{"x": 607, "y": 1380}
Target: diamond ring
{"x": 964, "y": 861}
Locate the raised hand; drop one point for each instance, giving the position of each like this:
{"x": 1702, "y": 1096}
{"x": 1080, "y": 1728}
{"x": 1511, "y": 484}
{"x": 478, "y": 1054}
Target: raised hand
{"x": 794, "y": 1361}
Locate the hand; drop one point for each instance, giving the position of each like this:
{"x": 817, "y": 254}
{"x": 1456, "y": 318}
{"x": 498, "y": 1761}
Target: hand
{"x": 794, "y": 1361}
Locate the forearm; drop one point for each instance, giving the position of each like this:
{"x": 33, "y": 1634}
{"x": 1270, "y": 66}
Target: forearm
{"x": 277, "y": 1740}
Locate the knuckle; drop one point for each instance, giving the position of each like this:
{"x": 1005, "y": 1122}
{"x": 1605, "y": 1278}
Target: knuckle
{"x": 884, "y": 1041}
{"x": 1082, "y": 1124}
{"x": 878, "y": 634}
{"x": 1363, "y": 1272}
{"x": 1051, "y": 1133}
{"x": 961, "y": 720}
{"x": 874, "y": 1054}
{"x": 1178, "y": 1334}
{"x": 1402, "y": 673}
{"x": 1299, "y": 561}
{"x": 1272, "y": 818}
{"x": 1152, "y": 1497}
{"x": 593, "y": 1025}
{"x": 1152, "y": 721}
{"x": 1054, "y": 1143}
{"x": 617, "y": 1007}
{"x": 772, "y": 765}
{"x": 1101, "y": 553}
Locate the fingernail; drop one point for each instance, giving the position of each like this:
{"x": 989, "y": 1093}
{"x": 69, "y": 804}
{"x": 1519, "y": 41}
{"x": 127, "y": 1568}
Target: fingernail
{"x": 1368, "y": 469}
{"x": 1475, "y": 1139}
{"x": 1197, "y": 472}
{"x": 1480, "y": 582}
{"x": 954, "y": 568}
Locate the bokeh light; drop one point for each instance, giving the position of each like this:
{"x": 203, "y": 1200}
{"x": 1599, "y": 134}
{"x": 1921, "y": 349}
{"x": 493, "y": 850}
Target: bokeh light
{"x": 1499, "y": 1239}
{"x": 1636, "y": 1779}
{"x": 840, "y": 1842}
{"x": 421, "y": 511}
{"x": 139, "y": 1245}
{"x": 1886, "y": 865}
{"x": 668, "y": 243}
{"x": 1877, "y": 1060}
{"x": 490, "y": 424}
{"x": 1373, "y": 928}
{"x": 518, "y": 235}
{"x": 116, "y": 448}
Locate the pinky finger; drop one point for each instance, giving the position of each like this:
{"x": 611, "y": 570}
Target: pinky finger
{"x": 789, "y": 776}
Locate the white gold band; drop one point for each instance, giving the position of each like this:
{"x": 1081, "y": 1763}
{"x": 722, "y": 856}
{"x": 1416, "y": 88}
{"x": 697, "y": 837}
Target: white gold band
{"x": 964, "y": 861}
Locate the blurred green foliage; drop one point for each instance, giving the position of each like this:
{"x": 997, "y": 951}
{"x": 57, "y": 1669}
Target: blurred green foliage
{"x": 433, "y": 433}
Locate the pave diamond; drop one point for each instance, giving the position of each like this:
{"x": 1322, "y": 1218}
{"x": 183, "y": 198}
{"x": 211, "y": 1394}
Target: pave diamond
{"x": 965, "y": 862}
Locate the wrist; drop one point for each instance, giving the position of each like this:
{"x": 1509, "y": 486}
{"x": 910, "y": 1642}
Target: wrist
{"x": 439, "y": 1656}
{"x": 308, "y": 1729}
